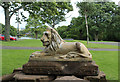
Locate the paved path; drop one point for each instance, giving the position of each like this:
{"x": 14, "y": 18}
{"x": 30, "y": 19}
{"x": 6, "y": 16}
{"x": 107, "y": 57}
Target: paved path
{"x": 108, "y": 43}
{"x": 11, "y": 47}
{"x": 103, "y": 49}
{"x": 41, "y": 48}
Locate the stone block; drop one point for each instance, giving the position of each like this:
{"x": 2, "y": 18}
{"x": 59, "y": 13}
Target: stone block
{"x": 100, "y": 78}
{"x": 21, "y": 77}
{"x": 77, "y": 68}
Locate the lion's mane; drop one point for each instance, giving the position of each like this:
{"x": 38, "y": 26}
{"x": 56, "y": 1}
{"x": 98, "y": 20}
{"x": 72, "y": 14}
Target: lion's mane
{"x": 56, "y": 40}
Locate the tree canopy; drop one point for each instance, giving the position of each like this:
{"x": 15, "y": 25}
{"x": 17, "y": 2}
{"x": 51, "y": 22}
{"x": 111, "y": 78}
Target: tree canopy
{"x": 103, "y": 22}
{"x": 35, "y": 26}
{"x": 48, "y": 12}
{"x": 13, "y": 30}
{"x": 10, "y": 8}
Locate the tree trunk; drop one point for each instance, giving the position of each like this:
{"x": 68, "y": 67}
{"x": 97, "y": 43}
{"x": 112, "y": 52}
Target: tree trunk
{"x": 87, "y": 27}
{"x": 53, "y": 25}
{"x": 36, "y": 34}
{"x": 96, "y": 37}
{"x": 7, "y": 24}
{"x": 18, "y": 32}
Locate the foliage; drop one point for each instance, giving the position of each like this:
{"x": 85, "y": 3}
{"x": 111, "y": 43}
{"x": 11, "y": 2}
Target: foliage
{"x": 13, "y": 30}
{"x": 63, "y": 31}
{"x": 10, "y": 8}
{"x": 86, "y": 9}
{"x": 101, "y": 19}
{"x": 45, "y": 12}
{"x": 35, "y": 26}
{"x": 103, "y": 22}
{"x": 114, "y": 26}
{"x": 48, "y": 12}
{"x": 75, "y": 30}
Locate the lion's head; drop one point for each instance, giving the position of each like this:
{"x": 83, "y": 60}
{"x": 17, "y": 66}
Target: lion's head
{"x": 46, "y": 38}
{"x": 51, "y": 39}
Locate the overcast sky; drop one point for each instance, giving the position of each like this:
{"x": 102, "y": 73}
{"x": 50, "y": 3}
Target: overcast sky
{"x": 68, "y": 17}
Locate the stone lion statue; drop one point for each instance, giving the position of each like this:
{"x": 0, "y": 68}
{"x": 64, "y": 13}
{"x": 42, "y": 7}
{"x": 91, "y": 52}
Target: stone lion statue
{"x": 54, "y": 44}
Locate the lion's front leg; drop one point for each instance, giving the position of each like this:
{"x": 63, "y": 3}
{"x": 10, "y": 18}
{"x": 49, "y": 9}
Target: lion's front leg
{"x": 39, "y": 54}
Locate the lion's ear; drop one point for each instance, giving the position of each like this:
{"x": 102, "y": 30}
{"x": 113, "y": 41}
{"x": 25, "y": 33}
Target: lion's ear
{"x": 52, "y": 31}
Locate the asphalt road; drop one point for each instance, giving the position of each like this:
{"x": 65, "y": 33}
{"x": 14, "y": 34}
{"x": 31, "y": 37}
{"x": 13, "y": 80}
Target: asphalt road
{"x": 94, "y": 49}
{"x": 11, "y": 47}
{"x": 108, "y": 43}
{"x": 41, "y": 48}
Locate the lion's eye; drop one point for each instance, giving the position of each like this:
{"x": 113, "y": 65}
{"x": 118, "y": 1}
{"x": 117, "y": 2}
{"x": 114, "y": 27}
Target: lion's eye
{"x": 46, "y": 34}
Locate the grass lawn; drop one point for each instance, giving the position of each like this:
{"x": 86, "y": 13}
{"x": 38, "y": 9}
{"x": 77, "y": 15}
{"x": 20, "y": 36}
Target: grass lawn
{"x": 107, "y": 61}
{"x": 38, "y": 43}
{"x": 23, "y": 43}
{"x": 12, "y": 59}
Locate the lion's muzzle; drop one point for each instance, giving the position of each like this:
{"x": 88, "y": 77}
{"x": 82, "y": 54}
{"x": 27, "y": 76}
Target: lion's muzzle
{"x": 46, "y": 43}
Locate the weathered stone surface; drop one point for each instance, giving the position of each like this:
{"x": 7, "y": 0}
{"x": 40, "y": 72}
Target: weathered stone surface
{"x": 21, "y": 77}
{"x": 100, "y": 78}
{"x": 46, "y": 71}
{"x": 7, "y": 78}
{"x": 67, "y": 78}
{"x": 78, "y": 68}
{"x": 17, "y": 70}
{"x": 56, "y": 57}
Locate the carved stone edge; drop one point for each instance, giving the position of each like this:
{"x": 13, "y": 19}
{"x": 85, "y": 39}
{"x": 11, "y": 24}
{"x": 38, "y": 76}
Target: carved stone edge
{"x": 18, "y": 75}
{"x": 100, "y": 78}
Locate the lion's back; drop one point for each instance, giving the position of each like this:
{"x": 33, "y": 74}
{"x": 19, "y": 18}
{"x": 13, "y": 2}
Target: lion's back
{"x": 67, "y": 47}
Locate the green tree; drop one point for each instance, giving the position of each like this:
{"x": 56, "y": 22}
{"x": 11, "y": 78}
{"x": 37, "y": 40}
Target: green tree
{"x": 46, "y": 12}
{"x": 75, "y": 30}
{"x": 103, "y": 21}
{"x": 49, "y": 12}
{"x": 85, "y": 9}
{"x": 100, "y": 19}
{"x": 63, "y": 31}
{"x": 10, "y": 8}
{"x": 114, "y": 25}
{"x": 13, "y": 30}
{"x": 34, "y": 25}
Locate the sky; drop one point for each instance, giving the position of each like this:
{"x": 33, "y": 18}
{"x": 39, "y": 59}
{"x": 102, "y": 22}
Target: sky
{"x": 68, "y": 16}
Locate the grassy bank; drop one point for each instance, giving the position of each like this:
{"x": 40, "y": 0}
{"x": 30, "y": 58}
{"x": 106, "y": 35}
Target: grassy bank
{"x": 108, "y": 63}
{"x": 38, "y": 43}
{"x": 23, "y": 43}
{"x": 12, "y": 59}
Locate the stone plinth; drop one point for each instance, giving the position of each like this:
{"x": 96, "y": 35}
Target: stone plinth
{"x": 54, "y": 68}
{"x": 51, "y": 66}
{"x": 101, "y": 77}
{"x": 21, "y": 77}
